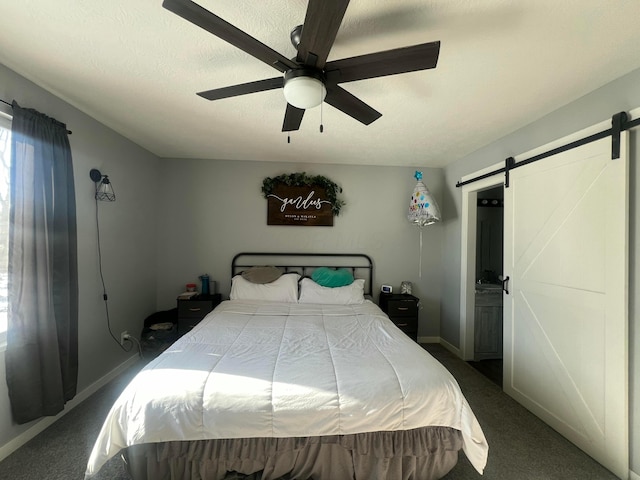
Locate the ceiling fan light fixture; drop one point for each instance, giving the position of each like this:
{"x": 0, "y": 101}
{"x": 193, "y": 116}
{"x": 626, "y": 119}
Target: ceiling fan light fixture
{"x": 304, "y": 88}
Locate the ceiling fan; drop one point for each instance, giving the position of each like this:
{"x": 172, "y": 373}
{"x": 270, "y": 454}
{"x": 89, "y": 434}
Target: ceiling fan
{"x": 309, "y": 79}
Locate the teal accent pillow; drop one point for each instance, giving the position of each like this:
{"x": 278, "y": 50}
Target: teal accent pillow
{"x": 328, "y": 277}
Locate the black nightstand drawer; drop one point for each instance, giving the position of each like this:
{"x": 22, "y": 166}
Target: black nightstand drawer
{"x": 194, "y": 308}
{"x": 407, "y": 325}
{"x": 186, "y": 324}
{"x": 190, "y": 312}
{"x": 402, "y": 308}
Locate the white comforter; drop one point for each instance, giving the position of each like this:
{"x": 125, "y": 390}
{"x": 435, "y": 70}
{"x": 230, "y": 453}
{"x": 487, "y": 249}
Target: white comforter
{"x": 254, "y": 369}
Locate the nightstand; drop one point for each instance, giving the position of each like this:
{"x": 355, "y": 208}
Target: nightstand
{"x": 402, "y": 310}
{"x": 191, "y": 311}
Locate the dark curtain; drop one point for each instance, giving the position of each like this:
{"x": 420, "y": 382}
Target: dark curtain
{"x": 42, "y": 333}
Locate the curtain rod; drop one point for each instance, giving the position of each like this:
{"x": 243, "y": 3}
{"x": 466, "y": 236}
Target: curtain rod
{"x": 7, "y": 103}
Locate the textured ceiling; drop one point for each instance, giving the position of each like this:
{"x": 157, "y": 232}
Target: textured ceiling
{"x": 135, "y": 67}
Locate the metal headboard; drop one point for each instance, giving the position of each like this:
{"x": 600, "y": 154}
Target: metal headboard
{"x": 360, "y": 264}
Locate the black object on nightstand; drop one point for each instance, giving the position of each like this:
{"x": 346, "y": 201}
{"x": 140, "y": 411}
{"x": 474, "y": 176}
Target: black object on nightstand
{"x": 402, "y": 309}
{"x": 191, "y": 311}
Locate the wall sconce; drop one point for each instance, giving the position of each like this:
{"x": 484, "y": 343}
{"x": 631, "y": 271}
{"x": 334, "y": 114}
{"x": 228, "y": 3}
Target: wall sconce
{"x": 104, "y": 189}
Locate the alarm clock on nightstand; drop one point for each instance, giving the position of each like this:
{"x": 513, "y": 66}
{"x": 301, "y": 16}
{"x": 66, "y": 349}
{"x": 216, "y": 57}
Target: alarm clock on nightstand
{"x": 386, "y": 289}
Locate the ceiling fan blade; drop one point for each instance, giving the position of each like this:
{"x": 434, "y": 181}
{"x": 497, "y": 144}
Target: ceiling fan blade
{"x": 319, "y": 30}
{"x": 243, "y": 89}
{"x": 354, "y": 107}
{"x": 390, "y": 62}
{"x": 203, "y": 18}
{"x": 292, "y": 118}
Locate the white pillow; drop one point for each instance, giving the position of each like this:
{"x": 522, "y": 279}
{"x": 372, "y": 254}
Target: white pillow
{"x": 284, "y": 289}
{"x": 311, "y": 292}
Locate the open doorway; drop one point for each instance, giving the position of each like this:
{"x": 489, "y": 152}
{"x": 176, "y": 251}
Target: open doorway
{"x": 472, "y": 269}
{"x": 487, "y": 345}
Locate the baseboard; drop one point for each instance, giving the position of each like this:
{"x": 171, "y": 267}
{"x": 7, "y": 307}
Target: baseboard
{"x": 428, "y": 339}
{"x": 633, "y": 475}
{"x": 14, "y": 444}
{"x": 444, "y": 343}
{"x": 451, "y": 348}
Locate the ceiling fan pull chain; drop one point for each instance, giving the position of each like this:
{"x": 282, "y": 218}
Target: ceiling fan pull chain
{"x": 288, "y": 138}
{"x": 321, "y": 110}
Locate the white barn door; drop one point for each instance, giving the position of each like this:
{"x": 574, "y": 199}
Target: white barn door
{"x": 565, "y": 317}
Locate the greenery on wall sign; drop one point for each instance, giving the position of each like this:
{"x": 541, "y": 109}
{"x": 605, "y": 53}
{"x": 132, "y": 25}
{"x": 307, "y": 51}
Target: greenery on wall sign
{"x": 303, "y": 180}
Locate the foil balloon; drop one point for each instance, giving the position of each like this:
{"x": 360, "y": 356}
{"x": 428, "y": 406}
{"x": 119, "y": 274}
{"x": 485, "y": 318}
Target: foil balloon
{"x": 423, "y": 210}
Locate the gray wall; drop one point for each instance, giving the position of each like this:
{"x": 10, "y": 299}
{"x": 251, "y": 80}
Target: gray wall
{"x": 620, "y": 95}
{"x": 213, "y": 209}
{"x": 128, "y": 232}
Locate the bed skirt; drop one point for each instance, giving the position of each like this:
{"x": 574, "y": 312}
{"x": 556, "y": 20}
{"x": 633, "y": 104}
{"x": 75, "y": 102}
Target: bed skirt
{"x": 422, "y": 453}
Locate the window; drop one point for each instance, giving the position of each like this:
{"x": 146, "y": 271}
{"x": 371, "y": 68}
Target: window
{"x": 5, "y": 159}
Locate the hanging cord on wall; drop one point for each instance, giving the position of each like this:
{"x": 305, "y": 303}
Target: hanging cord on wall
{"x": 321, "y": 102}
{"x": 104, "y": 292}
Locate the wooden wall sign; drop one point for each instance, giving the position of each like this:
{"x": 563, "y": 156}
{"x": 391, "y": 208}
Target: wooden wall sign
{"x": 299, "y": 205}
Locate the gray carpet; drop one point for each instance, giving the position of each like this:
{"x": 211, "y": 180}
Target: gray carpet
{"x": 61, "y": 451}
{"x": 521, "y": 447}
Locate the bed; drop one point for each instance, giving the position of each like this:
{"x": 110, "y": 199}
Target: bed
{"x": 292, "y": 378}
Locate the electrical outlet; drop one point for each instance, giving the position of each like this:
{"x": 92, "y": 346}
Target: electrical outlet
{"x": 124, "y": 336}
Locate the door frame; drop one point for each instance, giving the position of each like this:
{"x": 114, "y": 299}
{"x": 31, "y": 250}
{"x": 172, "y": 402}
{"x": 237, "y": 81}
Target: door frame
{"x": 468, "y": 254}
{"x": 468, "y": 225}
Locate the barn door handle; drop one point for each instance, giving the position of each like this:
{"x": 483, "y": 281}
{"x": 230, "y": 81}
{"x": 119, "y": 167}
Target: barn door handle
{"x": 505, "y": 285}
